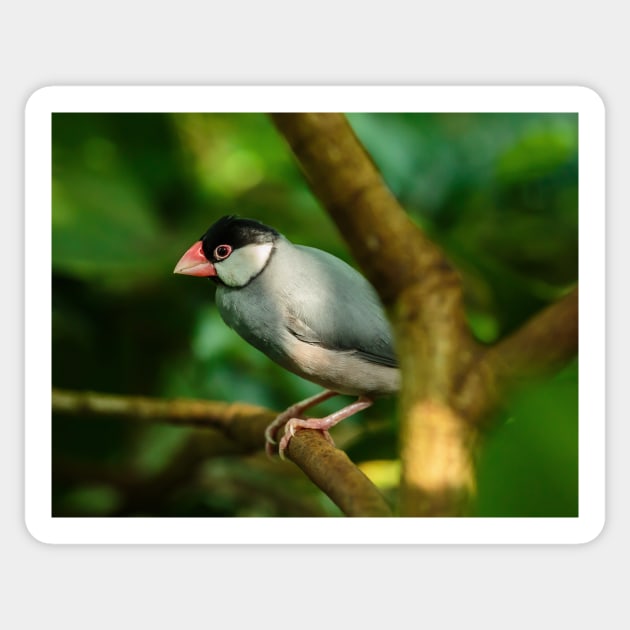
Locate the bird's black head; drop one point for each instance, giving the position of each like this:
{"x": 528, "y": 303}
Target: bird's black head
{"x": 232, "y": 252}
{"x": 231, "y": 232}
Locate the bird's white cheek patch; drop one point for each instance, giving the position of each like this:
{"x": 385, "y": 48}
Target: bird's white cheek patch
{"x": 243, "y": 264}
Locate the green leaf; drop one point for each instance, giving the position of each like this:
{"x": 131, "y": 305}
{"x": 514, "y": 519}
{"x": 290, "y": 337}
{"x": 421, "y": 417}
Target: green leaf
{"x": 529, "y": 466}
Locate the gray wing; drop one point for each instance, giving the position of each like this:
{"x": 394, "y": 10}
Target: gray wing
{"x": 330, "y": 304}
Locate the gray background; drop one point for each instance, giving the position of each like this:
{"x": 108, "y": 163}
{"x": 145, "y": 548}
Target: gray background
{"x": 549, "y": 43}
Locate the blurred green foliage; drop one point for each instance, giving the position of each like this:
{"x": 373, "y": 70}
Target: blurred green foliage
{"x": 131, "y": 192}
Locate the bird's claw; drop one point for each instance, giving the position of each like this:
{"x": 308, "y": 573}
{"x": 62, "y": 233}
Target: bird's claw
{"x": 293, "y": 426}
{"x": 289, "y": 432}
{"x": 270, "y": 435}
{"x": 271, "y": 432}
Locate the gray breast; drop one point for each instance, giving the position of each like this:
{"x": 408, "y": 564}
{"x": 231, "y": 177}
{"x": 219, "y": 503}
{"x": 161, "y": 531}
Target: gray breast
{"x": 316, "y": 316}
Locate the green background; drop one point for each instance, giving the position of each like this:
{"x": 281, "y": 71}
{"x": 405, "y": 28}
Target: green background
{"x": 131, "y": 192}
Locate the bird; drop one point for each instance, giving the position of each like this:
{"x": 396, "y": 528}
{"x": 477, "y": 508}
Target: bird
{"x": 307, "y": 310}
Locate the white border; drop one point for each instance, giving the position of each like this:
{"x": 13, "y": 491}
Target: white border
{"x": 47, "y": 529}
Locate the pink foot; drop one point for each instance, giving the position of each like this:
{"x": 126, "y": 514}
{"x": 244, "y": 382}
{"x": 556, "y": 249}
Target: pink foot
{"x": 294, "y": 411}
{"x": 321, "y": 424}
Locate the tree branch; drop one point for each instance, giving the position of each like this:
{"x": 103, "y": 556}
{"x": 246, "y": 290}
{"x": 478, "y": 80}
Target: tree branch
{"x": 333, "y": 472}
{"x": 329, "y": 468}
{"x": 243, "y": 423}
{"x": 542, "y": 345}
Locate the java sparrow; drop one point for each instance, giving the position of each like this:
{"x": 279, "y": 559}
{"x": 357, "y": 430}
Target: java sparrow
{"x": 305, "y": 309}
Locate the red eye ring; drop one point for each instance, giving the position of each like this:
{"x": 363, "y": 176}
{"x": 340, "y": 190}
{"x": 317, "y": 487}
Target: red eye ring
{"x": 221, "y": 252}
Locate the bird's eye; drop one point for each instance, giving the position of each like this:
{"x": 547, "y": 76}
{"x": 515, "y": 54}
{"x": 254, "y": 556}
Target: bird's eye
{"x": 222, "y": 251}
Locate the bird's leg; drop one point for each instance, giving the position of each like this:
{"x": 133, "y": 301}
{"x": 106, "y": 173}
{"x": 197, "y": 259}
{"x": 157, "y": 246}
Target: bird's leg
{"x": 321, "y": 424}
{"x": 294, "y": 411}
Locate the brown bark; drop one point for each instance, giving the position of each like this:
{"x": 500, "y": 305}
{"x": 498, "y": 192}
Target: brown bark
{"x": 543, "y": 345}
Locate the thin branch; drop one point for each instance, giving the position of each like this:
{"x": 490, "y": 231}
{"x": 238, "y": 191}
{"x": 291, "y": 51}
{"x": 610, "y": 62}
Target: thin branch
{"x": 243, "y": 423}
{"x": 329, "y": 468}
{"x": 544, "y": 344}
{"x": 332, "y": 471}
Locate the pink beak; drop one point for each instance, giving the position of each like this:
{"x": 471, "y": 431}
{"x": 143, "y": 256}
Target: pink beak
{"x": 195, "y": 263}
